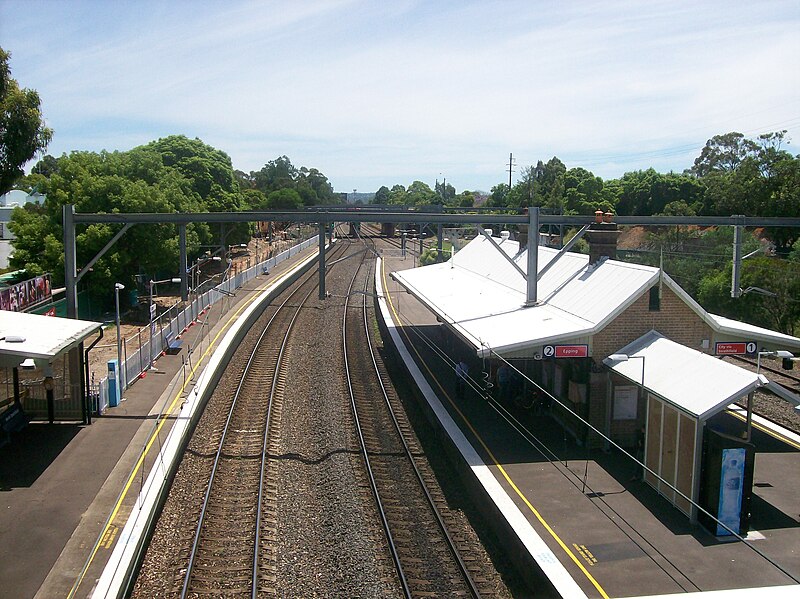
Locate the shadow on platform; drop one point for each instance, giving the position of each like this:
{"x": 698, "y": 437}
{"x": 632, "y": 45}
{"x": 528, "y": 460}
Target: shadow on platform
{"x": 31, "y": 452}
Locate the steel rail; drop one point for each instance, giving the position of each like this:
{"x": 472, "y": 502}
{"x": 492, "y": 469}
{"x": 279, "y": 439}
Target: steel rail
{"x": 431, "y": 503}
{"x": 365, "y": 453}
{"x": 207, "y": 495}
{"x": 407, "y": 450}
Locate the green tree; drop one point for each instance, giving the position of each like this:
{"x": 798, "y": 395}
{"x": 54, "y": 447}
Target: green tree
{"x": 583, "y": 192}
{"x": 276, "y": 174}
{"x": 466, "y": 199}
{"x": 722, "y": 153}
{"x": 774, "y": 285}
{"x": 209, "y": 170}
{"x": 753, "y": 177}
{"x": 22, "y": 129}
{"x": 420, "y": 194}
{"x": 645, "y": 193}
{"x": 498, "y": 198}
{"x": 133, "y": 181}
{"x": 381, "y": 196}
{"x": 445, "y": 191}
{"x": 397, "y": 195}
{"x": 284, "y": 199}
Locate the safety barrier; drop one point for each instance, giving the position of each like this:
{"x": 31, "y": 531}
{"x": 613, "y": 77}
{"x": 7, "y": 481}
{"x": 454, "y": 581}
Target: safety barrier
{"x": 176, "y": 321}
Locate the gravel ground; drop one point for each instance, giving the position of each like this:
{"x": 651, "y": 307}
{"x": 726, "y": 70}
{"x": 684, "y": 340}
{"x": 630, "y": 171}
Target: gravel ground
{"x": 323, "y": 549}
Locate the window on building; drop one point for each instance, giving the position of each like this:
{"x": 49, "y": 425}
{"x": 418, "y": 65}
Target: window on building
{"x": 655, "y": 299}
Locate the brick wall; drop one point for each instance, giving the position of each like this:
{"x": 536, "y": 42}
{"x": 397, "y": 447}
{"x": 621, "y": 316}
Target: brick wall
{"x": 675, "y": 320}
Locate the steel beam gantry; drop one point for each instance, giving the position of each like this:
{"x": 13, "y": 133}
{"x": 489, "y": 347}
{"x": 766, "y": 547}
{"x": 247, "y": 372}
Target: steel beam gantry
{"x": 327, "y": 217}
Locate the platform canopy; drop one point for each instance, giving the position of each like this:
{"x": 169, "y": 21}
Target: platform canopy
{"x": 482, "y": 296}
{"x": 39, "y": 337}
{"x": 696, "y": 383}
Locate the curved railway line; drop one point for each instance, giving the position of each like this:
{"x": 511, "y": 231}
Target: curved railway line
{"x": 300, "y": 449}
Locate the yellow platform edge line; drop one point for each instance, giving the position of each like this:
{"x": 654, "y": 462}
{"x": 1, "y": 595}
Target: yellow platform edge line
{"x": 497, "y": 464}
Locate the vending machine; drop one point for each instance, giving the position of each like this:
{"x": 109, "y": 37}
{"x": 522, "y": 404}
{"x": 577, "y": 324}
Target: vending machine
{"x": 726, "y": 486}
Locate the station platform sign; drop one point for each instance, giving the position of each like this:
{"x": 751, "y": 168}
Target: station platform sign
{"x": 735, "y": 348}
{"x": 565, "y": 351}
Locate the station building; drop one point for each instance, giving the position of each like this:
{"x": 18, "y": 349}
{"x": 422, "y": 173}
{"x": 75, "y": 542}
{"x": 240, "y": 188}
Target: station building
{"x": 620, "y": 346}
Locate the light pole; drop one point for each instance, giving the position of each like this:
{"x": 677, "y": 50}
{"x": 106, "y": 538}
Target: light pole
{"x": 625, "y": 358}
{"x": 152, "y": 312}
{"x": 120, "y": 379}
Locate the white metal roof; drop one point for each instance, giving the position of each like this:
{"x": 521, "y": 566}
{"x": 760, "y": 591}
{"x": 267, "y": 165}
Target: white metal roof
{"x": 735, "y": 327}
{"x": 42, "y": 337}
{"x": 697, "y": 383}
{"x": 482, "y": 296}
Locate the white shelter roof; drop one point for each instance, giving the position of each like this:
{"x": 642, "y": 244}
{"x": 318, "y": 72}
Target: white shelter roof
{"x": 40, "y": 337}
{"x": 696, "y": 383}
{"x": 482, "y": 297}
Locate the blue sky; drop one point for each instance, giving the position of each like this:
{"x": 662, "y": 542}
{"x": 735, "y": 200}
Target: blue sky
{"x": 374, "y": 93}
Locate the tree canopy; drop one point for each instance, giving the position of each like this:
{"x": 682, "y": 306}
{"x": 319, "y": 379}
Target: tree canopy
{"x": 173, "y": 174}
{"x": 22, "y": 130}
{"x": 310, "y": 184}
{"x": 145, "y": 179}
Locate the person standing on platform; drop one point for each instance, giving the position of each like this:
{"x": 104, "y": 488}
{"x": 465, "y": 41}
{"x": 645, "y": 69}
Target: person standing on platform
{"x": 462, "y": 372}
{"x": 503, "y": 382}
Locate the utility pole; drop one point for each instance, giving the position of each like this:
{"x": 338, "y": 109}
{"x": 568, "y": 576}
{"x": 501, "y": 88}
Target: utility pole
{"x": 510, "y": 168}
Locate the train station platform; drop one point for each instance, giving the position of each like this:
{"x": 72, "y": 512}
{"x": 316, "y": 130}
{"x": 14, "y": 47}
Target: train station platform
{"x": 583, "y": 516}
{"x": 67, "y": 489}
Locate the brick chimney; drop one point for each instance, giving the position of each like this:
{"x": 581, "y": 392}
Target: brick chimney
{"x": 602, "y": 237}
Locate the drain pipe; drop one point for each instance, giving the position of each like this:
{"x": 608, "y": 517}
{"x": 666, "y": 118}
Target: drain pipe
{"x": 87, "y": 408}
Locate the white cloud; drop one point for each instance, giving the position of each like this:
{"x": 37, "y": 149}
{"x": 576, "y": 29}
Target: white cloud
{"x": 413, "y": 89}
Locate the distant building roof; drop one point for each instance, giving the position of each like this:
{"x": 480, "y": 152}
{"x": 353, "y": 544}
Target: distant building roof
{"x": 481, "y": 296}
{"x": 17, "y": 197}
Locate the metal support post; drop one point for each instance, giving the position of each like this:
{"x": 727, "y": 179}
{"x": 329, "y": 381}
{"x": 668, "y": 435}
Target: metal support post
{"x": 533, "y": 256}
{"x": 322, "y": 260}
{"x": 70, "y": 281}
{"x": 120, "y": 379}
{"x": 15, "y": 377}
{"x": 183, "y": 265}
{"x": 439, "y": 242}
{"x": 749, "y": 433}
{"x": 737, "y": 261}
{"x": 70, "y": 261}
{"x": 151, "y": 310}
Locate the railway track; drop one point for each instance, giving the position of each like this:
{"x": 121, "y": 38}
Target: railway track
{"x": 216, "y": 545}
{"x": 413, "y": 510}
{"x": 766, "y": 404}
{"x": 226, "y": 549}
{"x": 272, "y": 497}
